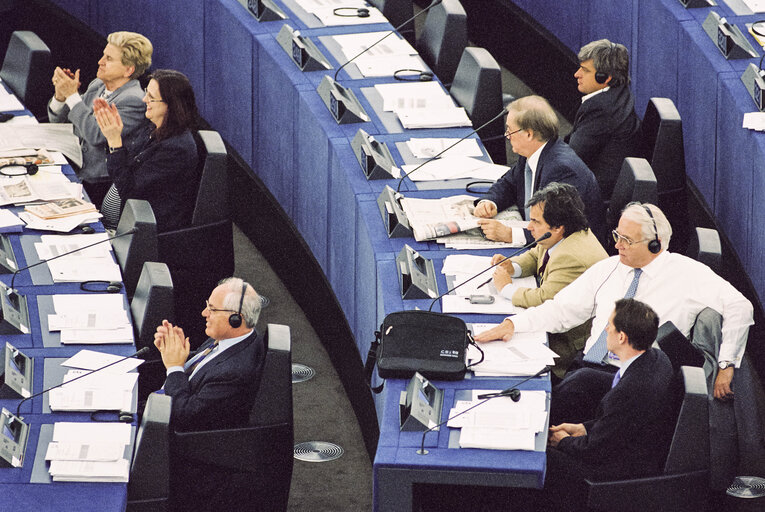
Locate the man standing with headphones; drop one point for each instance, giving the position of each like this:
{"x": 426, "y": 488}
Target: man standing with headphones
{"x": 606, "y": 128}
{"x": 675, "y": 286}
{"x": 216, "y": 387}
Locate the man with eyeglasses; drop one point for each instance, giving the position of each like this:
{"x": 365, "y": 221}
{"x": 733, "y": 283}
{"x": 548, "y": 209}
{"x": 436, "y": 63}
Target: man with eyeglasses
{"x": 216, "y": 387}
{"x": 126, "y": 56}
{"x": 675, "y": 286}
{"x": 532, "y": 129}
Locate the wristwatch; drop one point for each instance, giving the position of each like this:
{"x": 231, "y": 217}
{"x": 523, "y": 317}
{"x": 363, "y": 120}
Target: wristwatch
{"x": 724, "y": 364}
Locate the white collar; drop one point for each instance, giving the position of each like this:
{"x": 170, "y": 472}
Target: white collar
{"x": 588, "y": 96}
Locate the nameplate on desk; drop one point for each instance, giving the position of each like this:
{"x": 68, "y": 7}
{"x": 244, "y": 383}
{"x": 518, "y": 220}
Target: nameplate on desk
{"x": 301, "y": 50}
{"x": 755, "y": 85}
{"x": 420, "y": 405}
{"x": 393, "y": 216}
{"x": 17, "y": 373}
{"x": 13, "y": 441}
{"x": 265, "y": 10}
{"x": 8, "y": 263}
{"x": 416, "y": 275}
{"x": 341, "y": 102}
{"x": 374, "y": 157}
{"x": 14, "y": 312}
{"x": 728, "y": 38}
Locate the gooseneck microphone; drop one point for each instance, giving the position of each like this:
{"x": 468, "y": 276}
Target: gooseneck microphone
{"x": 137, "y": 354}
{"x": 484, "y": 125}
{"x": 108, "y": 239}
{"x": 514, "y": 393}
{"x": 515, "y": 253}
{"x": 432, "y": 4}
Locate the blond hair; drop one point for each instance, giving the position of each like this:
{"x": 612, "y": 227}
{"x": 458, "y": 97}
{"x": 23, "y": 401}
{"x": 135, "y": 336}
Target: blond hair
{"x": 535, "y": 113}
{"x": 136, "y": 50}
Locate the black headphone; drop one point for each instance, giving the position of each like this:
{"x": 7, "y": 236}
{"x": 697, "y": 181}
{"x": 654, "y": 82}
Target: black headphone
{"x": 654, "y": 245}
{"x": 30, "y": 168}
{"x": 235, "y": 320}
{"x": 109, "y": 286}
{"x": 600, "y": 76}
{"x": 361, "y": 12}
{"x": 422, "y": 76}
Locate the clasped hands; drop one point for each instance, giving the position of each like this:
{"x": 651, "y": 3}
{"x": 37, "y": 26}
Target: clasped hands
{"x": 558, "y": 432}
{"x": 65, "y": 83}
{"x": 172, "y": 344}
{"x": 492, "y": 229}
{"x": 109, "y": 120}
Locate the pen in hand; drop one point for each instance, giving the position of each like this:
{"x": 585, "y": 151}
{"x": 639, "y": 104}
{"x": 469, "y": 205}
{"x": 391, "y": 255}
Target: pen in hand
{"x": 484, "y": 283}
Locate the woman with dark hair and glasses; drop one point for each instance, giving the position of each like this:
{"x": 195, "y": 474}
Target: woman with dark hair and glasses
{"x": 160, "y": 163}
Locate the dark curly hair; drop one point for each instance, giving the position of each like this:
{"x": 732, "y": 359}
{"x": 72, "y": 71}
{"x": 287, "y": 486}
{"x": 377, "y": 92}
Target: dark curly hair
{"x": 562, "y": 207}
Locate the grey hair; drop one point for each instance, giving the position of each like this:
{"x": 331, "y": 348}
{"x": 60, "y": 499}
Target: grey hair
{"x": 535, "y": 113}
{"x": 636, "y": 212}
{"x": 609, "y": 58}
{"x": 250, "y": 304}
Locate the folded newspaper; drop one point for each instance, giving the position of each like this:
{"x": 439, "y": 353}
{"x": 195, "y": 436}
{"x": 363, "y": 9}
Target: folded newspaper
{"x": 435, "y": 218}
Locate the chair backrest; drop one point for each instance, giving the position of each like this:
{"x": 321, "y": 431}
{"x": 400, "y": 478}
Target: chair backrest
{"x": 27, "y": 71}
{"x": 397, "y": 12}
{"x": 152, "y": 302}
{"x": 689, "y": 450}
{"x": 662, "y": 144}
{"x": 258, "y": 459}
{"x": 636, "y": 182}
{"x": 704, "y": 246}
{"x": 443, "y": 38}
{"x": 149, "y": 484}
{"x": 211, "y": 203}
{"x": 133, "y": 250}
{"x": 678, "y": 348}
{"x": 477, "y": 87}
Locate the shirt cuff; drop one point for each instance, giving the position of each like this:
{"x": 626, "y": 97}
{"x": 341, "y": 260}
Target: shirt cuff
{"x": 508, "y": 291}
{"x": 174, "y": 369}
{"x": 56, "y": 106}
{"x": 517, "y": 268}
{"x": 486, "y": 201}
{"x": 73, "y": 100}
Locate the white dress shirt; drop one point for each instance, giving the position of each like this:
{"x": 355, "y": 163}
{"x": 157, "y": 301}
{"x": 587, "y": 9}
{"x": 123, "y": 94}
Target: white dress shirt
{"x": 675, "y": 286}
{"x": 217, "y": 349}
{"x": 588, "y": 96}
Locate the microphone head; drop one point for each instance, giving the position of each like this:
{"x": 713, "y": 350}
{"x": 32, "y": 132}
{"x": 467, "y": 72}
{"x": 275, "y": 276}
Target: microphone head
{"x": 544, "y": 237}
{"x": 515, "y": 394}
{"x": 141, "y": 352}
{"x": 434, "y": 3}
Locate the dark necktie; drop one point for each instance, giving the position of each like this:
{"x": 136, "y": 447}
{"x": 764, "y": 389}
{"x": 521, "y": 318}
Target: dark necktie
{"x": 542, "y": 268}
{"x": 201, "y": 358}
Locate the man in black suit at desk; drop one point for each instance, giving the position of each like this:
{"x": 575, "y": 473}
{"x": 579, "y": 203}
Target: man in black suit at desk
{"x": 606, "y": 129}
{"x": 215, "y": 388}
{"x": 532, "y": 129}
{"x": 629, "y": 436}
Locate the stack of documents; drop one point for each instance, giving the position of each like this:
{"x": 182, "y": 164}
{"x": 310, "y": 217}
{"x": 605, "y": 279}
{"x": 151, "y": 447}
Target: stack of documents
{"x": 89, "y": 452}
{"x": 456, "y": 168}
{"x": 755, "y": 5}
{"x": 393, "y": 54}
{"x": 93, "y": 263}
{"x": 499, "y": 423}
{"x": 90, "y": 319}
{"x": 50, "y": 136}
{"x": 525, "y": 354}
{"x": 429, "y": 147}
{"x": 464, "y": 267}
{"x": 422, "y": 105}
{"x": 102, "y": 391}
{"x": 755, "y": 121}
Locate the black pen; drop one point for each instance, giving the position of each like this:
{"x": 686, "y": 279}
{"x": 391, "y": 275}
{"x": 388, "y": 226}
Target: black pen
{"x": 484, "y": 283}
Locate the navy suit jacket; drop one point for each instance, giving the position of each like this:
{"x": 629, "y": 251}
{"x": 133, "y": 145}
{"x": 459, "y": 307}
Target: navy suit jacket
{"x": 222, "y": 392}
{"x": 132, "y": 109}
{"x": 606, "y": 130}
{"x": 164, "y": 173}
{"x": 559, "y": 163}
{"x": 630, "y": 435}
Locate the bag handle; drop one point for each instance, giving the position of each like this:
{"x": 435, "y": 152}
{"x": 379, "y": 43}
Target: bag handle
{"x": 369, "y": 365}
{"x": 472, "y": 341}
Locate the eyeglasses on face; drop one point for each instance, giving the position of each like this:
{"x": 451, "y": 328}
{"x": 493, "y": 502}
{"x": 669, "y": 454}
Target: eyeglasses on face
{"x": 625, "y": 240}
{"x": 150, "y": 98}
{"x": 509, "y": 134}
{"x": 212, "y": 309}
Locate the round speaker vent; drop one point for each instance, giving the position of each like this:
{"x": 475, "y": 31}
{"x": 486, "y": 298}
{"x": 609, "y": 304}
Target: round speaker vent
{"x": 264, "y": 302}
{"x": 747, "y": 487}
{"x": 317, "y": 451}
{"x": 301, "y": 373}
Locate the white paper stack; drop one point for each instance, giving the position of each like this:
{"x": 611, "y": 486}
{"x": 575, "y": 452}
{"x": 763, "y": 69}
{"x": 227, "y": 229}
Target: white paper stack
{"x": 755, "y": 121}
{"x": 93, "y": 263}
{"x": 456, "y": 168}
{"x": 500, "y": 423}
{"x": 89, "y": 452}
{"x": 422, "y": 105}
{"x": 9, "y": 102}
{"x": 430, "y": 147}
{"x": 91, "y": 319}
{"x": 525, "y": 354}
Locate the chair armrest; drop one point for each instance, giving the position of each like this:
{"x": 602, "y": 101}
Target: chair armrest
{"x": 683, "y": 491}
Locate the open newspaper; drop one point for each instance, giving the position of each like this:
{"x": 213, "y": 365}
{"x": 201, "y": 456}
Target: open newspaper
{"x": 436, "y": 218}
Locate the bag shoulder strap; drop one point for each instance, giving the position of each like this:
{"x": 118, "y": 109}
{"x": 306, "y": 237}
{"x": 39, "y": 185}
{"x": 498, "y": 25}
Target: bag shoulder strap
{"x": 369, "y": 365}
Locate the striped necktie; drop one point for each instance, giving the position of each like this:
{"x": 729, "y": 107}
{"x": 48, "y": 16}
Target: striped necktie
{"x": 200, "y": 358}
{"x": 528, "y": 181}
{"x": 599, "y": 350}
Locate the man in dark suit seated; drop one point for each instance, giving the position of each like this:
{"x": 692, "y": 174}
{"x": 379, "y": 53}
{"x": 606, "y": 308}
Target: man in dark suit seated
{"x": 532, "y": 129}
{"x": 216, "y": 388}
{"x": 606, "y": 129}
{"x": 630, "y": 434}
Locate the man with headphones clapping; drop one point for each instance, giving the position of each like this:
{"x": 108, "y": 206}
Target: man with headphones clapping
{"x": 606, "y": 128}
{"x": 216, "y": 387}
